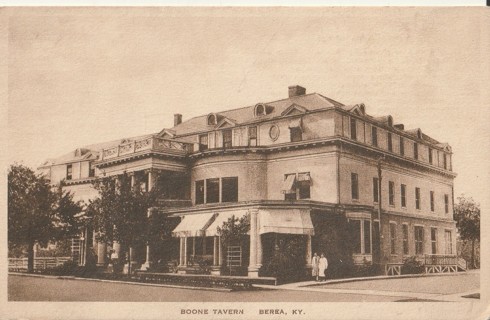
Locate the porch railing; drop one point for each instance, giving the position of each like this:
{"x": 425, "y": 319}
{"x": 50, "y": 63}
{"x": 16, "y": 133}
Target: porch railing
{"x": 41, "y": 263}
{"x": 440, "y": 259}
{"x": 150, "y": 143}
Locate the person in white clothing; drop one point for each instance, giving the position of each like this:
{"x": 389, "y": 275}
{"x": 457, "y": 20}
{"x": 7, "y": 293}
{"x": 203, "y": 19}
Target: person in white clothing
{"x": 314, "y": 264}
{"x": 322, "y": 267}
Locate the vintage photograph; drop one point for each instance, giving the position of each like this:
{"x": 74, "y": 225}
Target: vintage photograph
{"x": 245, "y": 163}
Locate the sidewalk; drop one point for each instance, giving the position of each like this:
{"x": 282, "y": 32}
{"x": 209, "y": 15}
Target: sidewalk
{"x": 423, "y": 286}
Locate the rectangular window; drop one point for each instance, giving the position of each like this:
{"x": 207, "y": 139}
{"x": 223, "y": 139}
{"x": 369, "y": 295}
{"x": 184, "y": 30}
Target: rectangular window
{"x": 432, "y": 205}
{"x": 415, "y": 150}
{"x": 355, "y": 231}
{"x": 227, "y": 139}
{"x": 402, "y": 146}
{"x": 203, "y": 142}
{"x": 296, "y": 134}
{"x": 390, "y": 142}
{"x": 433, "y": 240}
{"x": 446, "y": 203}
{"x": 367, "y": 236}
{"x": 200, "y": 192}
{"x": 212, "y": 190}
{"x": 374, "y": 135}
{"x": 419, "y": 239}
{"x": 375, "y": 189}
{"x": 252, "y": 136}
{"x": 69, "y": 172}
{"x": 444, "y": 159}
{"x": 391, "y": 191}
{"x": 430, "y": 156}
{"x": 303, "y": 183}
{"x": 229, "y": 189}
{"x": 403, "y": 190}
{"x": 449, "y": 241}
{"x": 353, "y": 129}
{"x": 393, "y": 238}
{"x": 91, "y": 170}
{"x": 291, "y": 193}
{"x": 405, "y": 238}
{"x": 354, "y": 186}
{"x": 417, "y": 198}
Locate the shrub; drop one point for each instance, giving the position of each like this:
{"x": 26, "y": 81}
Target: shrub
{"x": 412, "y": 266}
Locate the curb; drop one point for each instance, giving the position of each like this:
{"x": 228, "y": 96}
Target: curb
{"x": 119, "y": 282}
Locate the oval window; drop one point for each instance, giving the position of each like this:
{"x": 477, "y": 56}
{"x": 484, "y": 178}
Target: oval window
{"x": 274, "y": 132}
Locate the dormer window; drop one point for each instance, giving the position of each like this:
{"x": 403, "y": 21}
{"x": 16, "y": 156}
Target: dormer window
{"x": 259, "y": 110}
{"x": 212, "y": 121}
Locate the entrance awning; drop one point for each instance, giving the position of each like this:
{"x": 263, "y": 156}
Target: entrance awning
{"x": 193, "y": 225}
{"x": 293, "y": 221}
{"x": 222, "y": 217}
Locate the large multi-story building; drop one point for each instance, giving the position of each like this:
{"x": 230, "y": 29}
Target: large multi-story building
{"x": 305, "y": 166}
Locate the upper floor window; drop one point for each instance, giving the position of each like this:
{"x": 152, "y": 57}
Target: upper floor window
{"x": 203, "y": 142}
{"x": 375, "y": 189}
{"x": 430, "y": 156}
{"x": 444, "y": 158}
{"x": 417, "y": 198}
{"x": 296, "y": 134}
{"x": 390, "y": 142}
{"x": 446, "y": 203}
{"x": 227, "y": 138}
{"x": 402, "y": 146}
{"x": 212, "y": 190}
{"x": 91, "y": 170}
{"x": 353, "y": 129}
{"x": 304, "y": 182}
{"x": 419, "y": 239}
{"x": 415, "y": 150}
{"x": 391, "y": 191}
{"x": 69, "y": 172}
{"x": 297, "y": 186}
{"x": 403, "y": 192}
{"x": 252, "y": 136}
{"x": 229, "y": 188}
{"x": 200, "y": 192}
{"x": 432, "y": 204}
{"x": 374, "y": 136}
{"x": 354, "y": 186}
{"x": 288, "y": 187}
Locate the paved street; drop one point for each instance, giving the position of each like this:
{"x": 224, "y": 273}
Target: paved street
{"x": 25, "y": 288}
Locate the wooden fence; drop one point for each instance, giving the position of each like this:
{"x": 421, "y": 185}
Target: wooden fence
{"x": 41, "y": 263}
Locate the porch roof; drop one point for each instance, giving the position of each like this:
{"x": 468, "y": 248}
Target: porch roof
{"x": 294, "y": 221}
{"x": 212, "y": 230}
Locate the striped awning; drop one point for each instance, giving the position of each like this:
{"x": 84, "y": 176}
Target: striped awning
{"x": 212, "y": 230}
{"x": 288, "y": 184}
{"x": 193, "y": 225}
{"x": 293, "y": 221}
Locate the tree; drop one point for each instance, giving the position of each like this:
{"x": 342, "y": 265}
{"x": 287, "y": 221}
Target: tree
{"x": 467, "y": 216}
{"x": 120, "y": 212}
{"x": 36, "y": 212}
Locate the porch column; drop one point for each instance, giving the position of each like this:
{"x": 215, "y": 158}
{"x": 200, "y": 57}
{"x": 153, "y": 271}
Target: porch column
{"x": 150, "y": 179}
{"x": 220, "y": 252}
{"x": 215, "y": 251}
{"x": 185, "y": 251}
{"x": 101, "y": 253}
{"x": 181, "y": 251}
{"x": 193, "y": 247}
{"x": 259, "y": 249}
{"x": 308, "y": 251}
{"x": 203, "y": 246}
{"x": 146, "y": 265}
{"x": 253, "y": 271}
{"x": 133, "y": 179}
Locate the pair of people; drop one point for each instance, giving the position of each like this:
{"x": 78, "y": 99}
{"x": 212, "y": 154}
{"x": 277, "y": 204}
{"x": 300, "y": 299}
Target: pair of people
{"x": 320, "y": 265}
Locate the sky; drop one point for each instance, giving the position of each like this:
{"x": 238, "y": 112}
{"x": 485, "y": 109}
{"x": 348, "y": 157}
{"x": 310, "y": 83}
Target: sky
{"x": 82, "y": 76}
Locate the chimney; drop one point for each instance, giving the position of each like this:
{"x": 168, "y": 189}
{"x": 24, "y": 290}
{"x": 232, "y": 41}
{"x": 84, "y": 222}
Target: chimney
{"x": 399, "y": 126}
{"x": 296, "y": 91}
{"x": 177, "y": 119}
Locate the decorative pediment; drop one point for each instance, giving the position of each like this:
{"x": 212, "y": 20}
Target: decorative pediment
{"x": 359, "y": 109}
{"x": 226, "y": 123}
{"x": 446, "y": 147}
{"x": 166, "y": 133}
{"x": 294, "y": 109}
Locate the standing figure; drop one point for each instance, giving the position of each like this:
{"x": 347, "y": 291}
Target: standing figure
{"x": 314, "y": 263}
{"x": 322, "y": 267}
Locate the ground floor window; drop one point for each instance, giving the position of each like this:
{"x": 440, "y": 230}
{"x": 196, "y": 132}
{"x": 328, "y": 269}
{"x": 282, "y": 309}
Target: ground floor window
{"x": 449, "y": 241}
{"x": 419, "y": 239}
{"x": 393, "y": 238}
{"x": 405, "y": 238}
{"x": 360, "y": 231}
{"x": 433, "y": 240}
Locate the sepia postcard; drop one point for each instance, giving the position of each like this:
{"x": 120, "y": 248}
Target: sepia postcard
{"x": 245, "y": 162}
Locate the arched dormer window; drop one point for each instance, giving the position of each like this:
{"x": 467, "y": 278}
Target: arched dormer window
{"x": 419, "y": 133}
{"x": 390, "y": 121}
{"x": 262, "y": 109}
{"x": 362, "y": 107}
{"x": 212, "y": 120}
